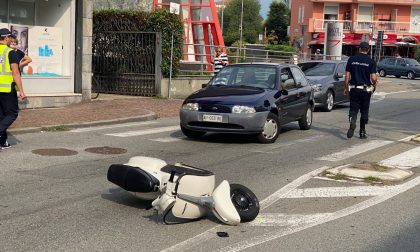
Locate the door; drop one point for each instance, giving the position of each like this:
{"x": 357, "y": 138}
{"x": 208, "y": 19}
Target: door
{"x": 339, "y": 82}
{"x": 287, "y": 104}
{"x": 400, "y": 67}
{"x": 303, "y": 92}
{"x": 390, "y": 66}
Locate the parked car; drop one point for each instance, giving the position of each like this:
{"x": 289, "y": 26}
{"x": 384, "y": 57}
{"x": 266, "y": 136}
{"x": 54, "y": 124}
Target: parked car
{"x": 399, "y": 67}
{"x": 249, "y": 99}
{"x": 327, "y": 79}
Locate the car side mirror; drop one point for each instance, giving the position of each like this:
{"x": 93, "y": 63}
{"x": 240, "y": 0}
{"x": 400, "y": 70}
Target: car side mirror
{"x": 280, "y": 93}
{"x": 284, "y": 92}
{"x": 204, "y": 85}
{"x": 339, "y": 75}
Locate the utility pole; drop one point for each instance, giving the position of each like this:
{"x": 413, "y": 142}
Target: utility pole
{"x": 240, "y": 27}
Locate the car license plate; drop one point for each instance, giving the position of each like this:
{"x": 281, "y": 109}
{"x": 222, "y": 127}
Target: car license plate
{"x": 212, "y": 118}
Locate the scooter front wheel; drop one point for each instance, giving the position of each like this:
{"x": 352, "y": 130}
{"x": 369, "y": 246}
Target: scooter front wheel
{"x": 245, "y": 202}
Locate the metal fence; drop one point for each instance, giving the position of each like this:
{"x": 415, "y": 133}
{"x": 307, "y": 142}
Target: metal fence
{"x": 126, "y": 63}
{"x": 199, "y": 63}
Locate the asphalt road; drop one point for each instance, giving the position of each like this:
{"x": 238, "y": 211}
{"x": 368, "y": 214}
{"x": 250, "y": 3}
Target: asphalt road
{"x": 65, "y": 203}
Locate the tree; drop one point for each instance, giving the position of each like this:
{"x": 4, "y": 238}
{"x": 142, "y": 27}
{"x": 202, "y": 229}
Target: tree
{"x": 251, "y": 21}
{"x": 278, "y": 19}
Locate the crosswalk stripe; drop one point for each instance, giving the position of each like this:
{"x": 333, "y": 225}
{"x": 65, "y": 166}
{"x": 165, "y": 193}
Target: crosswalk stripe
{"x": 144, "y": 132}
{"x": 405, "y": 160}
{"x": 167, "y": 139}
{"x": 80, "y": 130}
{"x": 330, "y": 192}
{"x": 283, "y": 220}
{"x": 354, "y": 150}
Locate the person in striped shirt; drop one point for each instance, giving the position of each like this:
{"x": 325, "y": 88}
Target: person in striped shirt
{"x": 220, "y": 60}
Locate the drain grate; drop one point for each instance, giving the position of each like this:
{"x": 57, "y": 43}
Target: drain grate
{"x": 106, "y": 150}
{"x": 55, "y": 152}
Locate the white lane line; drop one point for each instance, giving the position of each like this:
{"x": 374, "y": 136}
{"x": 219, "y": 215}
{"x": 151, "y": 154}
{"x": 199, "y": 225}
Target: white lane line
{"x": 405, "y": 160}
{"x": 144, "y": 132}
{"x": 333, "y": 216}
{"x": 167, "y": 139}
{"x": 272, "y": 147}
{"x": 112, "y": 126}
{"x": 289, "y": 187}
{"x": 329, "y": 192}
{"x": 283, "y": 220}
{"x": 355, "y": 150}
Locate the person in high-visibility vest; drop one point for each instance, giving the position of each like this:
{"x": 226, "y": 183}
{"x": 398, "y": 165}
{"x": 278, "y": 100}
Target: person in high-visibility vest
{"x": 9, "y": 82}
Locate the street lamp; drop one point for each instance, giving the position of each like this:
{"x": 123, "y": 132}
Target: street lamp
{"x": 223, "y": 8}
{"x": 370, "y": 39}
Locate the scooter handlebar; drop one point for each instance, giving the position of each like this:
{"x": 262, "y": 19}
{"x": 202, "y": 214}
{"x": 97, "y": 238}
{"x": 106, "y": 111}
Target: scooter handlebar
{"x": 171, "y": 178}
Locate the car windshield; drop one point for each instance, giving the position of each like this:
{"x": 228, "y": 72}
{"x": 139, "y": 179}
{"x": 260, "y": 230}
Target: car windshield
{"x": 250, "y": 76}
{"x": 317, "y": 68}
{"x": 412, "y": 62}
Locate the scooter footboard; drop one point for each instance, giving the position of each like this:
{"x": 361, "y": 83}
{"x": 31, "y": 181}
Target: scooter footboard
{"x": 132, "y": 179}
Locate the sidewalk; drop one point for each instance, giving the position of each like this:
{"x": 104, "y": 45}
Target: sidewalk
{"x": 106, "y": 109}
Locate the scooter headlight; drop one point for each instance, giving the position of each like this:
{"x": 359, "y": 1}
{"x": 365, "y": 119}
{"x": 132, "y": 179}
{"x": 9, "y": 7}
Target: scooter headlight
{"x": 190, "y": 106}
{"x": 237, "y": 109}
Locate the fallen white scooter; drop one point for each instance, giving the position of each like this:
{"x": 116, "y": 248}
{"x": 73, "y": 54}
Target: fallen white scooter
{"x": 184, "y": 192}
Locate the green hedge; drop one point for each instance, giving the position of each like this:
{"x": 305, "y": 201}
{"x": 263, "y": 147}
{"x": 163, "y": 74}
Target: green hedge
{"x": 281, "y": 48}
{"x": 159, "y": 20}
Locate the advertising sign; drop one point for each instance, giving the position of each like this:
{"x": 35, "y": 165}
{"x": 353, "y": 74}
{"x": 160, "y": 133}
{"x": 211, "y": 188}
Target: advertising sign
{"x": 21, "y": 34}
{"x": 333, "y": 45}
{"x": 46, "y": 50}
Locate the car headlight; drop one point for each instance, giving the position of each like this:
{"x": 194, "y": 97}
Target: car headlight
{"x": 190, "y": 106}
{"x": 317, "y": 87}
{"x": 237, "y": 109}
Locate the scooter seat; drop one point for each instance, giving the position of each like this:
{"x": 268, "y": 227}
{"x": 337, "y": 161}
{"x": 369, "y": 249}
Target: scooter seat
{"x": 132, "y": 179}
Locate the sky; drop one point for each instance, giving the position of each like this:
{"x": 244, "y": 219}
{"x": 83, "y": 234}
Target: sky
{"x": 265, "y": 4}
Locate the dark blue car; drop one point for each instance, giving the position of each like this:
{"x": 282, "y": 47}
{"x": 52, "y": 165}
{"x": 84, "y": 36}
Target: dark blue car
{"x": 399, "y": 67}
{"x": 249, "y": 99}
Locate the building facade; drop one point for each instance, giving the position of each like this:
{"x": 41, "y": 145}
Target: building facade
{"x": 57, "y": 35}
{"x": 362, "y": 20}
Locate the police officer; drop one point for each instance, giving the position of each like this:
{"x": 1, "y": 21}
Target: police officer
{"x": 360, "y": 83}
{"x": 9, "y": 80}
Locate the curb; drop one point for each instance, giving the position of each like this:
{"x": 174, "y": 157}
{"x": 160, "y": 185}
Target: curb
{"x": 147, "y": 117}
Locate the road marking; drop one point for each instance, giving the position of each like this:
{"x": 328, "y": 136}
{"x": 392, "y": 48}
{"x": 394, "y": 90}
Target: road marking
{"x": 167, "y": 139}
{"x": 112, "y": 126}
{"x": 405, "y": 160}
{"x": 329, "y": 192}
{"x": 354, "y": 150}
{"x": 333, "y": 216}
{"x": 283, "y": 220}
{"x": 272, "y": 147}
{"x": 144, "y": 132}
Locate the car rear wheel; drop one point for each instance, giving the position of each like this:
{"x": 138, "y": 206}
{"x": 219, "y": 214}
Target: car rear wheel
{"x": 305, "y": 122}
{"x": 192, "y": 133}
{"x": 382, "y": 73}
{"x": 411, "y": 75}
{"x": 271, "y": 129}
{"x": 329, "y": 102}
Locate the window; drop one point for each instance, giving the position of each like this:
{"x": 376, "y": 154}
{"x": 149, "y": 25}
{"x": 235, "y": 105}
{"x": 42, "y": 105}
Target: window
{"x": 287, "y": 81}
{"x": 341, "y": 68}
{"x": 300, "y": 78}
{"x": 22, "y": 12}
{"x": 400, "y": 62}
{"x": 331, "y": 12}
{"x": 391, "y": 62}
{"x": 3, "y": 11}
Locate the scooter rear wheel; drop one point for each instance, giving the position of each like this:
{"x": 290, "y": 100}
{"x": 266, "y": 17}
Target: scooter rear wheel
{"x": 245, "y": 202}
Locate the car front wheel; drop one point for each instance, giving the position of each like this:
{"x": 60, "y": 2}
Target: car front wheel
{"x": 411, "y": 75}
{"x": 382, "y": 73}
{"x": 305, "y": 122}
{"x": 192, "y": 133}
{"x": 329, "y": 102}
{"x": 271, "y": 129}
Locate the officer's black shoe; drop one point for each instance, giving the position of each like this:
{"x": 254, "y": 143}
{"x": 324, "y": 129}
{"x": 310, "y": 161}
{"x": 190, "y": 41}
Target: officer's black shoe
{"x": 350, "y": 132}
{"x": 362, "y": 134}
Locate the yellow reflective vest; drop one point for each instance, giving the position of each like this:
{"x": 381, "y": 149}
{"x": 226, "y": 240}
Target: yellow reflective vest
{"x": 6, "y": 78}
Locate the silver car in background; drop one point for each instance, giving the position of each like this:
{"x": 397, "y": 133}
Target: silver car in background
{"x": 327, "y": 79}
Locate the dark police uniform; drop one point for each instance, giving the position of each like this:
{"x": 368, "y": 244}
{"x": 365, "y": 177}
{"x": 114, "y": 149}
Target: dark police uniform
{"x": 360, "y": 66}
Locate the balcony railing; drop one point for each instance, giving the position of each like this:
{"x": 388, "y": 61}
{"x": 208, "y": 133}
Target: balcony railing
{"x": 371, "y": 26}
{"x": 320, "y": 24}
